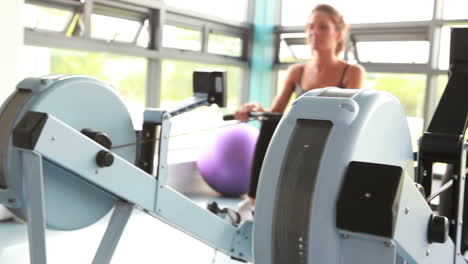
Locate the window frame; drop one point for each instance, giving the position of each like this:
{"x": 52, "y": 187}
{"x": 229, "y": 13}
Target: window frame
{"x": 416, "y": 30}
{"x": 158, "y": 14}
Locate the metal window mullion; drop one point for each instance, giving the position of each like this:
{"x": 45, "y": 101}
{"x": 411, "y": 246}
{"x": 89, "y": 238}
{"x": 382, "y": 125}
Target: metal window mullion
{"x": 433, "y": 63}
{"x": 191, "y": 15}
{"x": 439, "y": 72}
{"x": 429, "y": 98}
{"x": 442, "y": 22}
{"x": 58, "y": 40}
{"x": 244, "y": 89}
{"x": 186, "y": 24}
{"x": 153, "y": 4}
{"x": 122, "y": 15}
{"x": 154, "y": 70}
{"x": 153, "y": 83}
{"x": 247, "y": 42}
{"x": 277, "y": 34}
{"x": 250, "y": 11}
{"x": 205, "y": 35}
{"x": 277, "y": 45}
{"x": 196, "y": 56}
{"x": 389, "y": 26}
{"x": 392, "y": 36}
{"x": 347, "y": 47}
{"x": 416, "y": 68}
{"x": 156, "y": 23}
{"x": 194, "y": 24}
{"x": 59, "y": 4}
{"x": 247, "y": 45}
{"x": 122, "y": 6}
{"x": 159, "y": 29}
{"x": 279, "y": 12}
{"x": 290, "y": 29}
{"x": 87, "y": 12}
{"x": 275, "y": 86}
{"x": 226, "y": 32}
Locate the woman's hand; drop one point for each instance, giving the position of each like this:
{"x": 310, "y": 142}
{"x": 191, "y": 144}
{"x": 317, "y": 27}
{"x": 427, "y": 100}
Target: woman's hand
{"x": 243, "y": 112}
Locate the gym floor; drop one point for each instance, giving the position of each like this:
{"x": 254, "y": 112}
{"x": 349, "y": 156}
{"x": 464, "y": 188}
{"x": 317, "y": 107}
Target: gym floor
{"x": 145, "y": 240}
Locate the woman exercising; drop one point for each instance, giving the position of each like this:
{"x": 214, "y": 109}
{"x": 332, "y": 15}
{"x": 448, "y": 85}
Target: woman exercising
{"x": 325, "y": 33}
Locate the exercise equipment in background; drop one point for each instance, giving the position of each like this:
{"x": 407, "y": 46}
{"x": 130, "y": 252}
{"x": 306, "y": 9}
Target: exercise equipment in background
{"x": 337, "y": 185}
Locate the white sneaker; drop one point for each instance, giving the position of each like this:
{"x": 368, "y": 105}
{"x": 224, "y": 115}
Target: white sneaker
{"x": 246, "y": 210}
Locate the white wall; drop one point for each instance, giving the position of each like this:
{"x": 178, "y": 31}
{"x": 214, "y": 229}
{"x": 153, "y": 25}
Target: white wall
{"x": 11, "y": 42}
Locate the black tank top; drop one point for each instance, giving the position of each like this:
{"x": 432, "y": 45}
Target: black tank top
{"x": 300, "y": 91}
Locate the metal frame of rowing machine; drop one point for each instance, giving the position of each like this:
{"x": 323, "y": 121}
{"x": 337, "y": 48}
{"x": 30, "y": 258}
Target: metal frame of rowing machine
{"x": 444, "y": 140}
{"x": 49, "y": 139}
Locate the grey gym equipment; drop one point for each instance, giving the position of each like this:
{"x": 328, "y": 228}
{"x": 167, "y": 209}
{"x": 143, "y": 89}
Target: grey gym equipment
{"x": 338, "y": 183}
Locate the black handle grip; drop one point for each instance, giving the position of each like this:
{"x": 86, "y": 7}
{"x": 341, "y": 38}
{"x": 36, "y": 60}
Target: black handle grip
{"x": 228, "y": 117}
{"x": 257, "y": 116}
{"x": 266, "y": 116}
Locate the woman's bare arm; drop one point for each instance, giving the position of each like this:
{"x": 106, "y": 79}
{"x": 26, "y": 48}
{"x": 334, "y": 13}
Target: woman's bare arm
{"x": 281, "y": 100}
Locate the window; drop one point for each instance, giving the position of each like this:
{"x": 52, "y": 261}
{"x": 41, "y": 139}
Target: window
{"x": 455, "y": 9}
{"x": 410, "y": 91}
{"x": 38, "y": 17}
{"x": 225, "y": 45}
{"x": 181, "y": 38}
{"x": 285, "y": 53}
{"x": 445, "y": 45}
{"x": 176, "y": 85}
{"x": 393, "y": 51}
{"x": 442, "y": 81}
{"x": 143, "y": 37}
{"x": 126, "y": 74}
{"x": 295, "y": 12}
{"x": 408, "y": 88}
{"x": 225, "y": 9}
{"x": 293, "y": 47}
{"x": 114, "y": 29}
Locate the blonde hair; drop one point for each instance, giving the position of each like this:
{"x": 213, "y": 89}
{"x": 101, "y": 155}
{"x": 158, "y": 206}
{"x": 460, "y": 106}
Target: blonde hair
{"x": 337, "y": 20}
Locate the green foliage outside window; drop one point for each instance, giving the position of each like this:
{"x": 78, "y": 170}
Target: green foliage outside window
{"x": 225, "y": 45}
{"x": 176, "y": 81}
{"x": 127, "y": 74}
{"x": 441, "y": 84}
{"x": 408, "y": 88}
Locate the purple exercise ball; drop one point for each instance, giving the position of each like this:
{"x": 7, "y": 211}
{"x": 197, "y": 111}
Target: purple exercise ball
{"x": 226, "y": 163}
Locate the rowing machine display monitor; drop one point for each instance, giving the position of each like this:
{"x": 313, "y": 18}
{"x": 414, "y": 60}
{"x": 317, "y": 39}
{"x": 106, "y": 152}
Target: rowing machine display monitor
{"x": 212, "y": 83}
{"x": 209, "y": 87}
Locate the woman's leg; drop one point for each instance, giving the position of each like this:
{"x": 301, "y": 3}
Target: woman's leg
{"x": 266, "y": 132}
